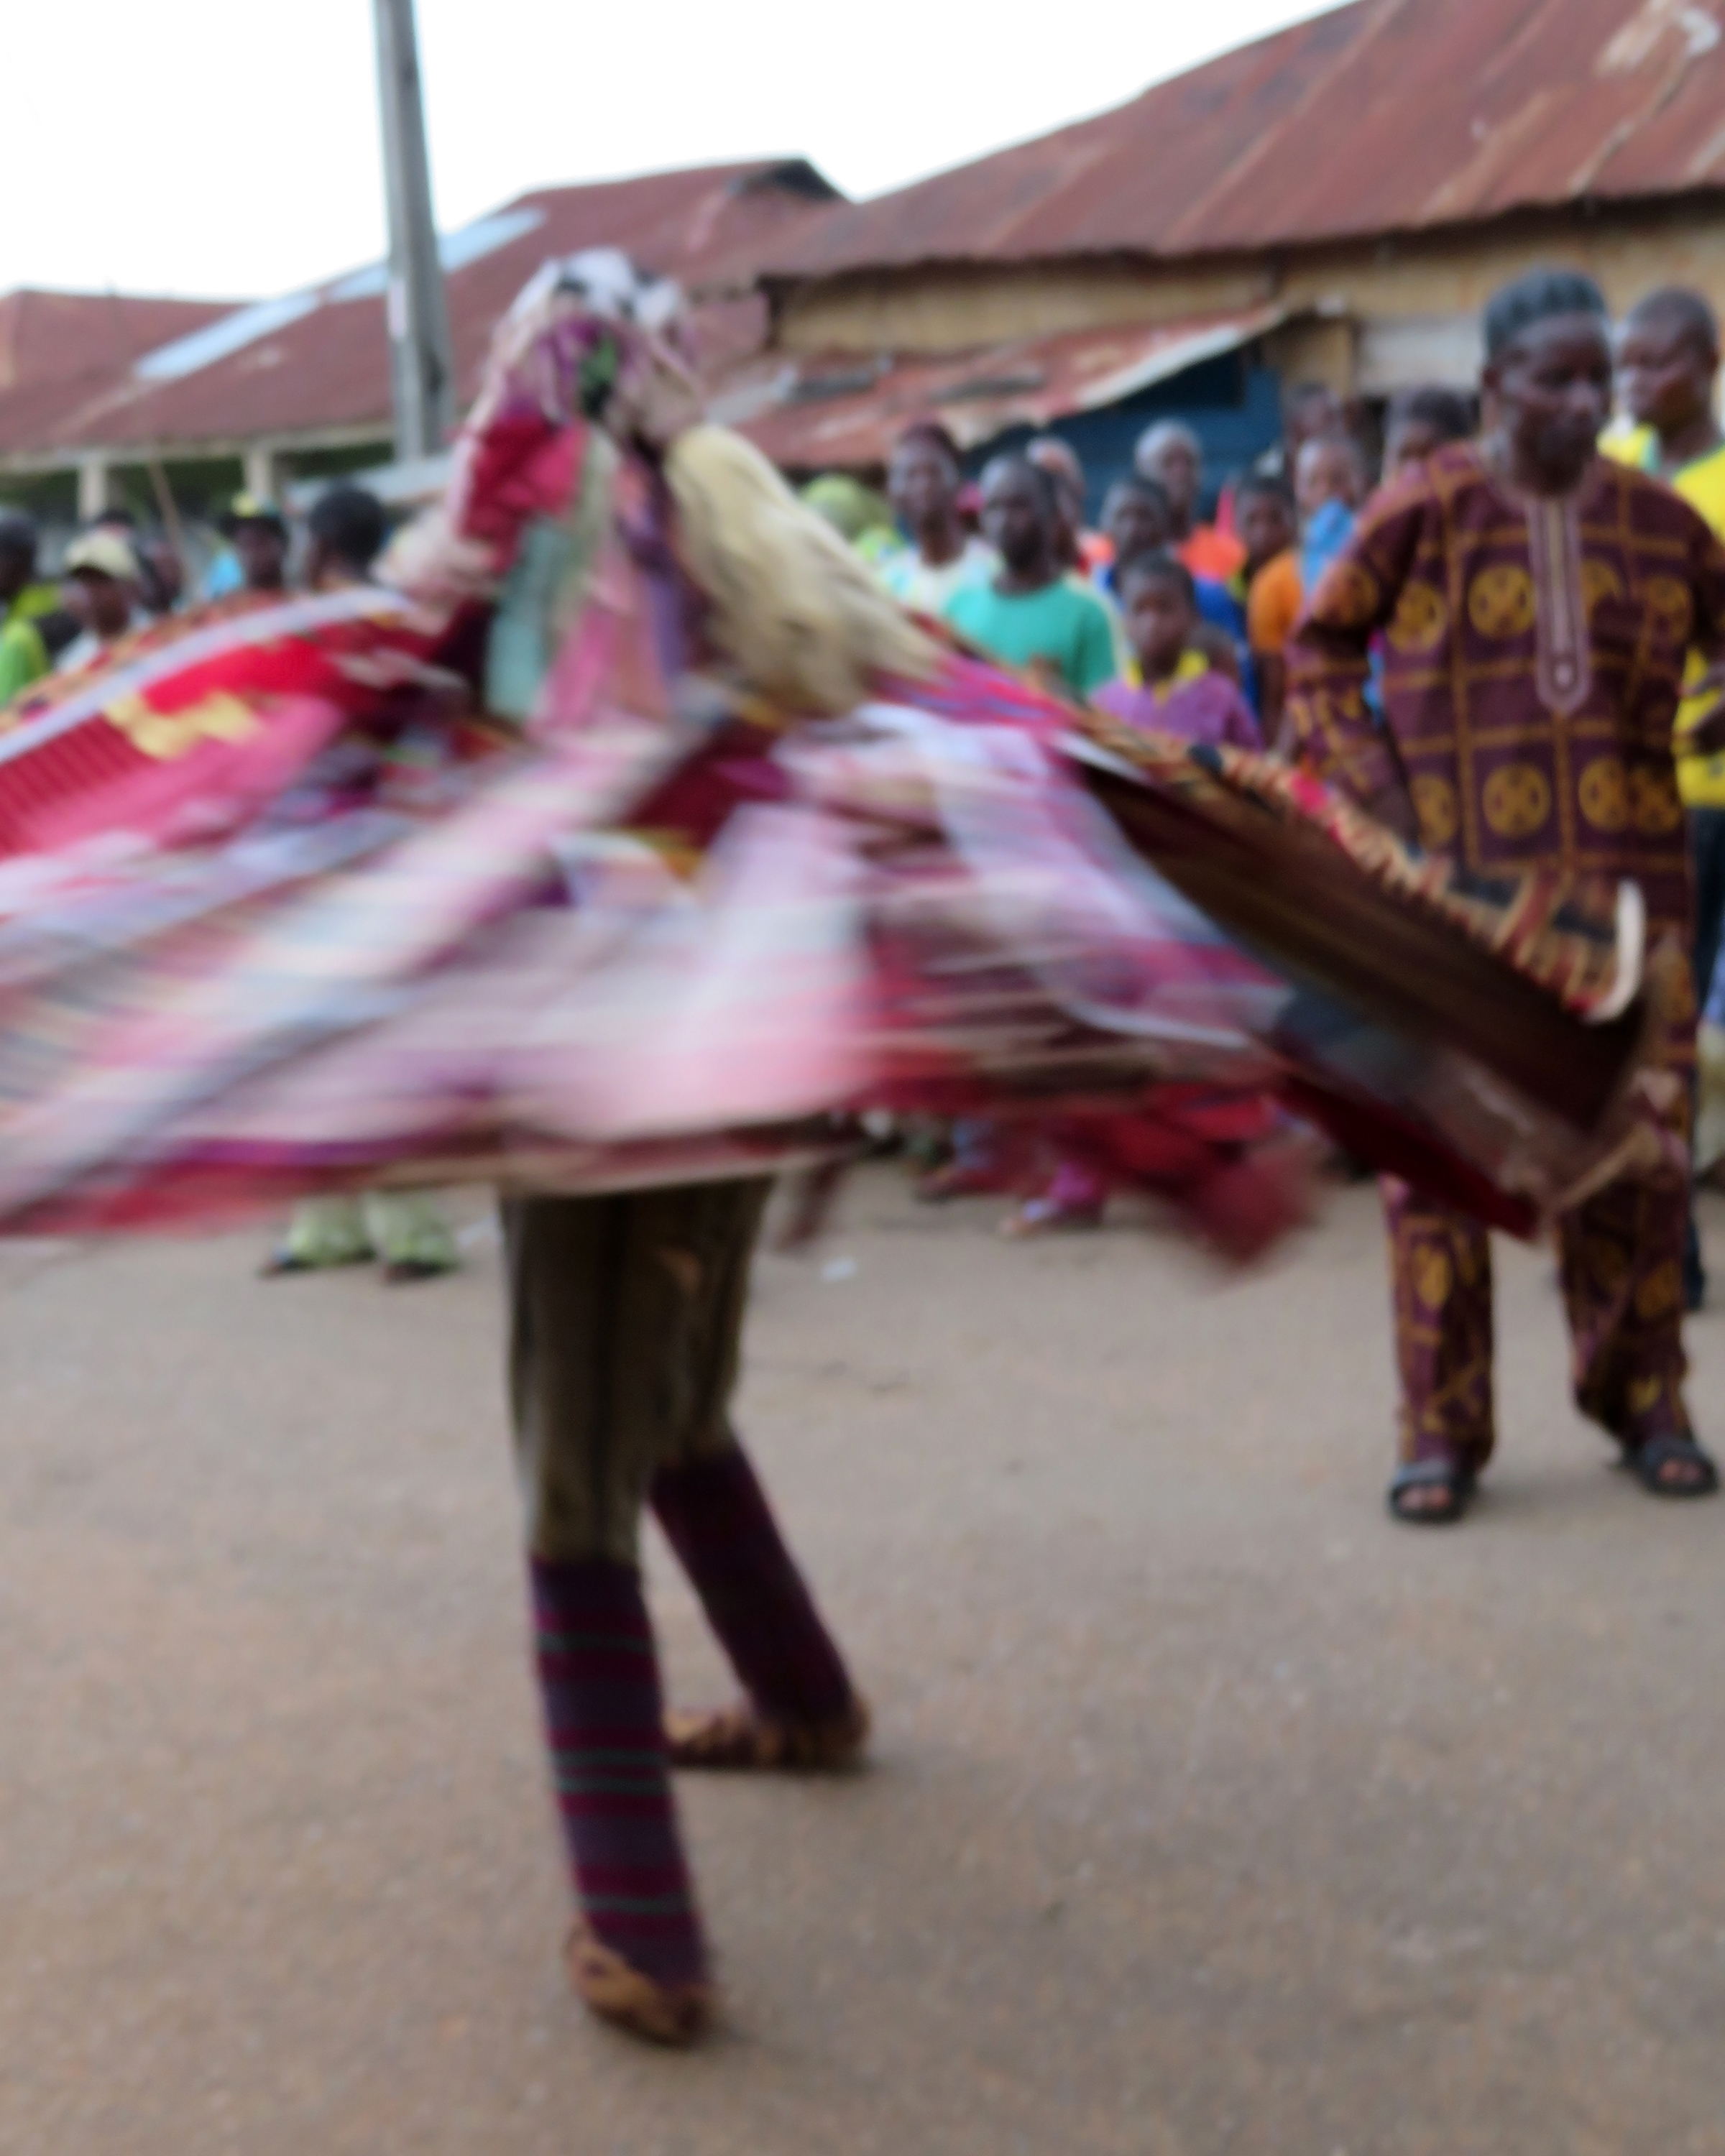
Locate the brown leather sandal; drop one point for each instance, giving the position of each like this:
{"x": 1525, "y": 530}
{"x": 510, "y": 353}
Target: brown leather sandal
{"x": 616, "y": 1991}
{"x": 737, "y": 1738}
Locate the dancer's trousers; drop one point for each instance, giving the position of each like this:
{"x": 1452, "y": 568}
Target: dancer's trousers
{"x": 625, "y": 1327}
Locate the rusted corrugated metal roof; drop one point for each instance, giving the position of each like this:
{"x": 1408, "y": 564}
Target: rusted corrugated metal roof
{"x": 59, "y": 350}
{"x": 317, "y": 361}
{"x": 48, "y": 337}
{"x": 846, "y": 409}
{"x": 1384, "y": 117}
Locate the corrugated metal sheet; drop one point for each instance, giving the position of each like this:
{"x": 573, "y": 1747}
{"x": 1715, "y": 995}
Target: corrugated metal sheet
{"x": 1384, "y": 117}
{"x": 59, "y": 350}
{"x": 844, "y": 409}
{"x": 318, "y": 362}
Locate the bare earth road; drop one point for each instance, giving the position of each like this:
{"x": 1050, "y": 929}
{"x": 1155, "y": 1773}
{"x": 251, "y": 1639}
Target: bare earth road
{"x": 1209, "y": 1812}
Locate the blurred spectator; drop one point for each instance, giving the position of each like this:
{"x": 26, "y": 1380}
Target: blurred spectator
{"x": 161, "y": 573}
{"x": 923, "y": 481}
{"x": 1179, "y": 692}
{"x": 346, "y": 531}
{"x": 1031, "y": 614}
{"x": 101, "y": 589}
{"x": 257, "y": 531}
{"x": 1421, "y": 420}
{"x": 860, "y": 517}
{"x": 1172, "y": 455}
{"x": 1076, "y": 549}
{"x": 1329, "y": 486}
{"x": 24, "y": 653}
{"x": 1667, "y": 372}
{"x": 1308, "y": 410}
{"x": 1135, "y": 520}
{"x": 1269, "y": 528}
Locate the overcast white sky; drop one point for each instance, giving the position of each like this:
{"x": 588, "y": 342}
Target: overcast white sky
{"x": 230, "y": 147}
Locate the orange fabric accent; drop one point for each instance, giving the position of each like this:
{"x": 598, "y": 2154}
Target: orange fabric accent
{"x": 1209, "y": 552}
{"x": 1273, "y": 603}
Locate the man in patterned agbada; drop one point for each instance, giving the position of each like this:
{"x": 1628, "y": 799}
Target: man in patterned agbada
{"x": 1536, "y": 605}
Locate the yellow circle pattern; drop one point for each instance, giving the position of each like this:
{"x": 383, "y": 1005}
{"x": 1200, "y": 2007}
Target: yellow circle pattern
{"x": 1604, "y": 789}
{"x": 1654, "y": 801}
{"x": 1500, "y": 600}
{"x": 1517, "y": 800}
{"x": 1600, "y": 582}
{"x": 1421, "y": 617}
{"x": 1669, "y": 598}
{"x": 1347, "y": 594}
{"x": 1435, "y": 806}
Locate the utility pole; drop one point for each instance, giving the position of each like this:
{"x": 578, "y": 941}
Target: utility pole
{"x": 421, "y": 366}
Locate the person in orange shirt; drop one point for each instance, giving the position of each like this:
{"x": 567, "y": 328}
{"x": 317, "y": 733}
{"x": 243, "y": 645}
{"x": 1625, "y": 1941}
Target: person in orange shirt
{"x": 1264, "y": 510}
{"x": 1172, "y": 455}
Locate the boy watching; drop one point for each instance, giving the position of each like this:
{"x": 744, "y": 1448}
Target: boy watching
{"x": 1179, "y": 692}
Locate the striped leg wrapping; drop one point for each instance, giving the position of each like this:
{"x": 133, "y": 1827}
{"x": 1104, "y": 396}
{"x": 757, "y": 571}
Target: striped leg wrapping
{"x": 716, "y": 1517}
{"x": 605, "y": 1722}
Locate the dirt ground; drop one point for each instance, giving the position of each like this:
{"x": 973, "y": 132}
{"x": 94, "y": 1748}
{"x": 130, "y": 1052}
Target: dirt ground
{"x": 1209, "y": 1812}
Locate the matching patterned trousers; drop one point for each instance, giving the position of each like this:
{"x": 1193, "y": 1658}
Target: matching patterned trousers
{"x": 1620, "y": 1261}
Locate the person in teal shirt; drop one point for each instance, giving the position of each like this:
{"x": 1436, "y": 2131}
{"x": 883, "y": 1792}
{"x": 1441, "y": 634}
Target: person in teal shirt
{"x": 24, "y": 654}
{"x": 1031, "y": 615}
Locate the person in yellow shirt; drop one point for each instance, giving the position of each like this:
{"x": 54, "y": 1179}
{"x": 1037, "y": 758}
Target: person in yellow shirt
{"x": 1667, "y": 368}
{"x": 24, "y": 656}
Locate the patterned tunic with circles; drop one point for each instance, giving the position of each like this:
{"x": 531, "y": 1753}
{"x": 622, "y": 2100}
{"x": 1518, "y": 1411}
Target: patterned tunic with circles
{"x": 1531, "y": 728}
{"x": 1442, "y": 578}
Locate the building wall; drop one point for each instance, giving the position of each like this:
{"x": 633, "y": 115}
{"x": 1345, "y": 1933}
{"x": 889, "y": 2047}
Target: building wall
{"x": 1399, "y": 310}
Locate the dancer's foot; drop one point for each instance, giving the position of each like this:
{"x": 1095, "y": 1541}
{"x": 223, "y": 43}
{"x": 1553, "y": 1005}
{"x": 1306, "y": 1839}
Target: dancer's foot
{"x": 611, "y": 1988}
{"x": 737, "y": 1736}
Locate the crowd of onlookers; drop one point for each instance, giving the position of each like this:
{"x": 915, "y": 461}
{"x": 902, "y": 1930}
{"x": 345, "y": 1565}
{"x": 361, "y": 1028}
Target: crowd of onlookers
{"x": 116, "y": 577}
{"x": 1167, "y": 615}
{"x": 1175, "y": 611}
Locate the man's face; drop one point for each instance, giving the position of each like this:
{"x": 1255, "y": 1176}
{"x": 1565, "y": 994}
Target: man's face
{"x": 1266, "y": 526}
{"x": 1133, "y": 522}
{"x": 922, "y": 484}
{"x": 1552, "y": 387}
{"x": 1015, "y": 519}
{"x": 101, "y": 602}
{"x": 261, "y": 549}
{"x": 1667, "y": 374}
{"x": 1173, "y": 463}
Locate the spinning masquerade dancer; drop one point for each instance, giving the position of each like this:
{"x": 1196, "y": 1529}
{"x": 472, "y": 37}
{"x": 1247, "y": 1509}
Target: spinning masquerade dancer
{"x": 619, "y": 847}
